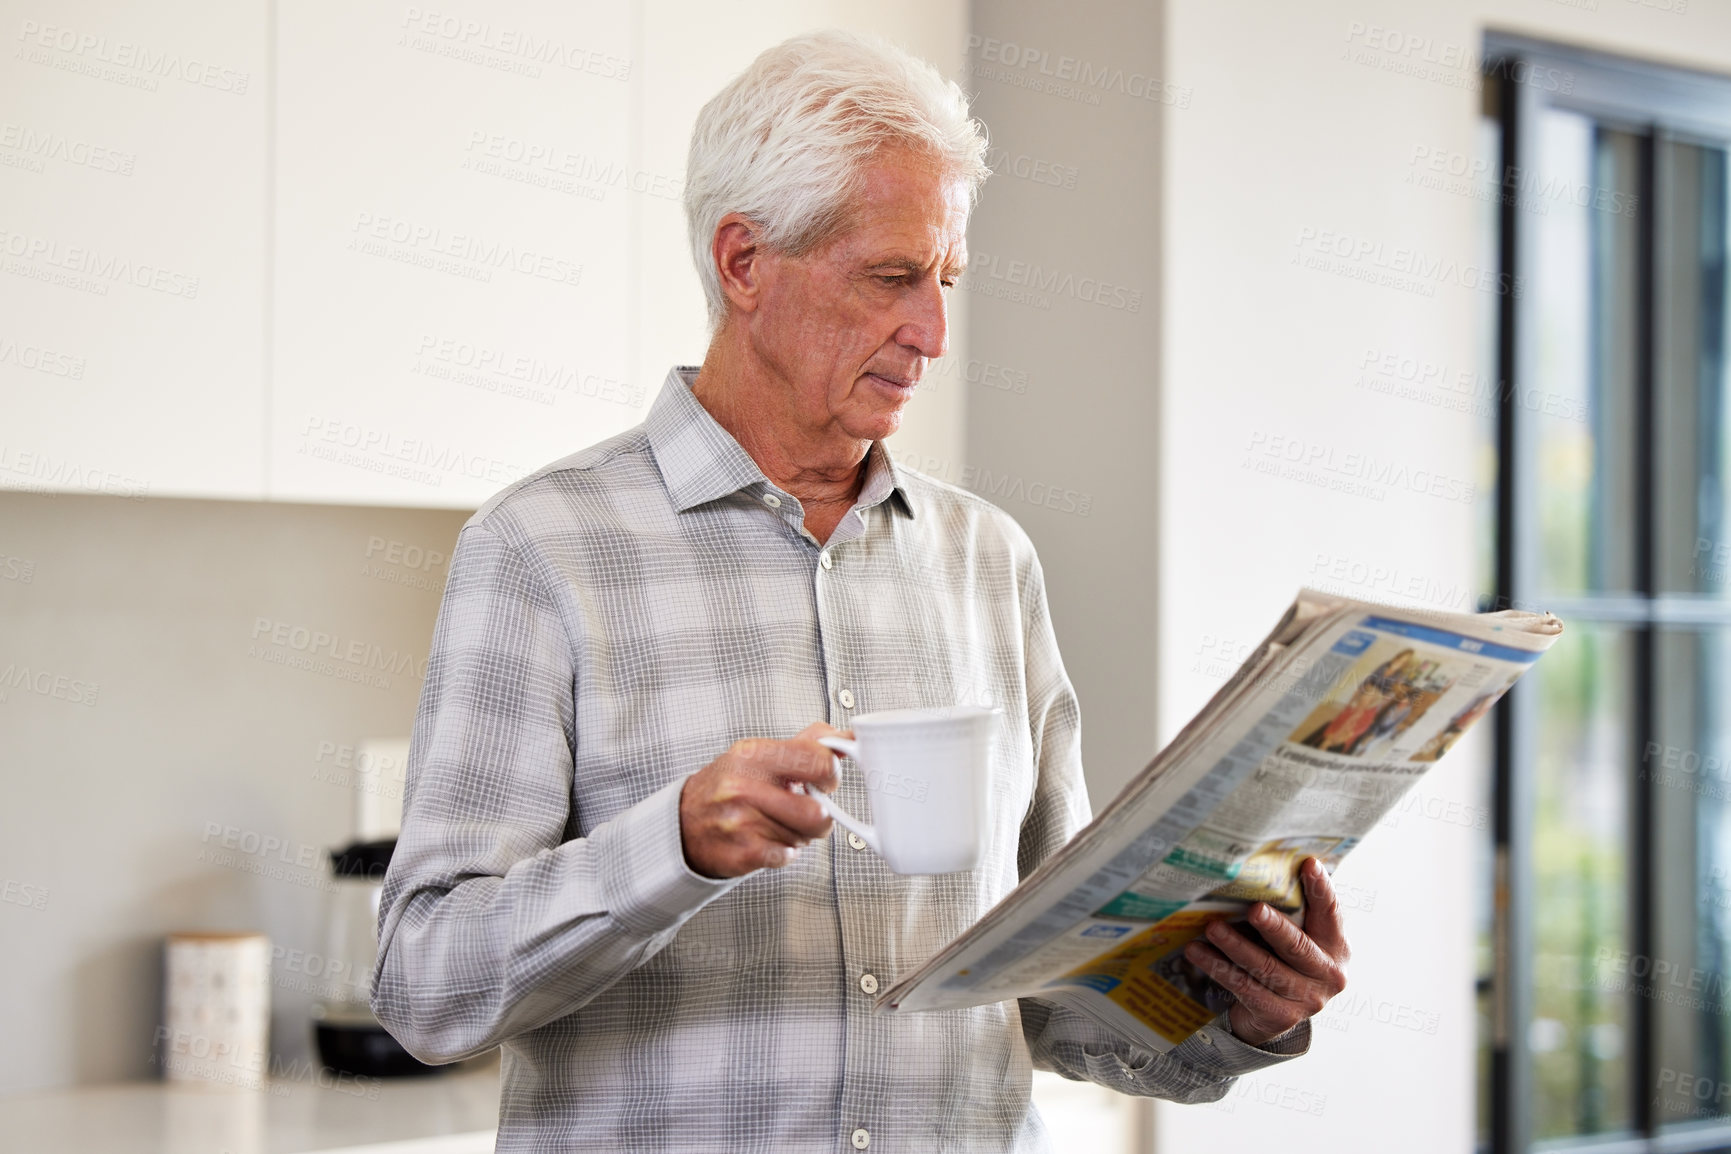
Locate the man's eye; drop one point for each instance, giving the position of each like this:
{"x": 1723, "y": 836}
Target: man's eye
{"x": 890, "y": 278}
{"x": 950, "y": 283}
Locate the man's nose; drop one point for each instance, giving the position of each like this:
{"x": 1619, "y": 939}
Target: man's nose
{"x": 926, "y": 328}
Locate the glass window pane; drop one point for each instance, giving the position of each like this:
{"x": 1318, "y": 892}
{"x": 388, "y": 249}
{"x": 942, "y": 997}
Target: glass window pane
{"x": 1692, "y": 418}
{"x": 1688, "y": 768}
{"x": 1581, "y": 364}
{"x": 1578, "y": 1036}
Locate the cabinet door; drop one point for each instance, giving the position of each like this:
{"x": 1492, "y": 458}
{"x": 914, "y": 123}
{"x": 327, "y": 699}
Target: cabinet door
{"x": 454, "y": 283}
{"x": 133, "y": 162}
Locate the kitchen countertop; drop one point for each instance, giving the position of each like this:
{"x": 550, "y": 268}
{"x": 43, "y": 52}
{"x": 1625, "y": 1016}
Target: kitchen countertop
{"x": 301, "y": 1112}
{"x": 452, "y": 1113}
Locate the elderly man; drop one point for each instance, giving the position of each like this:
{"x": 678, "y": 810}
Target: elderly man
{"x": 608, "y": 865}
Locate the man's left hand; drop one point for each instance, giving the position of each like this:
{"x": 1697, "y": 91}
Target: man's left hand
{"x": 1277, "y": 990}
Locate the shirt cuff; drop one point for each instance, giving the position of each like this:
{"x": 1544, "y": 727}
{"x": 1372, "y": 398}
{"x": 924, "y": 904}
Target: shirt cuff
{"x": 647, "y": 884}
{"x": 1216, "y": 1050}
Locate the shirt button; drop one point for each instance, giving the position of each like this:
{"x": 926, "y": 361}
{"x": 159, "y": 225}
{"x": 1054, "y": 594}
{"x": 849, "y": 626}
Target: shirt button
{"x": 861, "y": 1138}
{"x": 846, "y": 699}
{"x": 825, "y": 560}
{"x": 856, "y": 841}
{"x": 1207, "y": 1039}
{"x": 868, "y": 983}
{"x": 772, "y": 500}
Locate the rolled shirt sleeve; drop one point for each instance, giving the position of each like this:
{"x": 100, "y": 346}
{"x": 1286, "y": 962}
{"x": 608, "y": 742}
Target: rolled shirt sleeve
{"x": 493, "y": 920}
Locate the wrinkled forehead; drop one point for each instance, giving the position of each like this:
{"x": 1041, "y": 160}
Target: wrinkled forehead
{"x": 910, "y": 207}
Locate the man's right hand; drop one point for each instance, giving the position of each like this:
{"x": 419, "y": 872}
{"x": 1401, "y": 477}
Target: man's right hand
{"x": 738, "y": 813}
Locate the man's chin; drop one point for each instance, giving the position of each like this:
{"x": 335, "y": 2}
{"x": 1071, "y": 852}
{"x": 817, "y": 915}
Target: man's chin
{"x": 873, "y": 426}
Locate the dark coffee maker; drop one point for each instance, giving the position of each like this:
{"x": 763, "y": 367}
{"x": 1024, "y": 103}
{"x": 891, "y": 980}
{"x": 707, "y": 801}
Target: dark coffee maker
{"x": 350, "y": 1040}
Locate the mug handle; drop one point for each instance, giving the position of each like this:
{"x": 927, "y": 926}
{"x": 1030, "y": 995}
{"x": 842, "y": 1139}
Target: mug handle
{"x": 847, "y": 748}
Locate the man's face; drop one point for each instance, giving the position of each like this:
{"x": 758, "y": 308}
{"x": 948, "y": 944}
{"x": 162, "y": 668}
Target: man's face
{"x": 849, "y": 326}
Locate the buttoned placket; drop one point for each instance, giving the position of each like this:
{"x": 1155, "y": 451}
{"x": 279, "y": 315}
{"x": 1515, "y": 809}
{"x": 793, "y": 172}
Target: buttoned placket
{"x": 852, "y": 863}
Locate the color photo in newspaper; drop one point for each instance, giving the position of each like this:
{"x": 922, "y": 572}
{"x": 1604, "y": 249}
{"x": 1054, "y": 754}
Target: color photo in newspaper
{"x": 1410, "y": 694}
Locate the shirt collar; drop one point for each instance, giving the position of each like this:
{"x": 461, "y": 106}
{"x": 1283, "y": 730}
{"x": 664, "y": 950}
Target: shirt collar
{"x": 700, "y": 461}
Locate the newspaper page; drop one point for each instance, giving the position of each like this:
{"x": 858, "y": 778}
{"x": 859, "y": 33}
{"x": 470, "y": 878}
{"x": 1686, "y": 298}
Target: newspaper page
{"x": 1328, "y": 723}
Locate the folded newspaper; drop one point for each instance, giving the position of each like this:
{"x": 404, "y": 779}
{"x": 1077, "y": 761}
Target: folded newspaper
{"x": 1330, "y": 720}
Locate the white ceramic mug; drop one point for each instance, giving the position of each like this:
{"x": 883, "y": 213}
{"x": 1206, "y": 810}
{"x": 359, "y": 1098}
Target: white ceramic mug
{"x": 928, "y": 774}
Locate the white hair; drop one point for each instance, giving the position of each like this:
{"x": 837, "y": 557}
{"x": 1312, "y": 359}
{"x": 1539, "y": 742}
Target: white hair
{"x": 786, "y": 142}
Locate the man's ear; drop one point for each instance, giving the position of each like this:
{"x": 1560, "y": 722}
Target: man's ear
{"x": 738, "y": 261}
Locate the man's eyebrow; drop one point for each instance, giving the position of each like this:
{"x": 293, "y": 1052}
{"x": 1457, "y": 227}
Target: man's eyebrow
{"x": 914, "y": 267}
{"x": 906, "y": 264}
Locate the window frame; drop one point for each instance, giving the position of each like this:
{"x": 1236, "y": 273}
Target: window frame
{"x": 1522, "y": 77}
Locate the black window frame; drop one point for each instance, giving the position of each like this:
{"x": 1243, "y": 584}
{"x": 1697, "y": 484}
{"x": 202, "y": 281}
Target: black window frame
{"x": 1524, "y": 75}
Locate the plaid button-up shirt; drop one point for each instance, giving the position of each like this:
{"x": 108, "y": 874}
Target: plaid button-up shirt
{"x": 610, "y": 625}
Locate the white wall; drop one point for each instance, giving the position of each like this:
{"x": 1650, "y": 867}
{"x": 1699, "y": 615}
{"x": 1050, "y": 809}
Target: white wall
{"x": 166, "y": 766}
{"x": 1303, "y": 122}
{"x": 1062, "y": 296}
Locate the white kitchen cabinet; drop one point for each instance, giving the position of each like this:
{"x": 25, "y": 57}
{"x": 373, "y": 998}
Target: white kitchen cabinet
{"x": 133, "y": 223}
{"x": 453, "y": 291}
{"x": 360, "y": 252}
